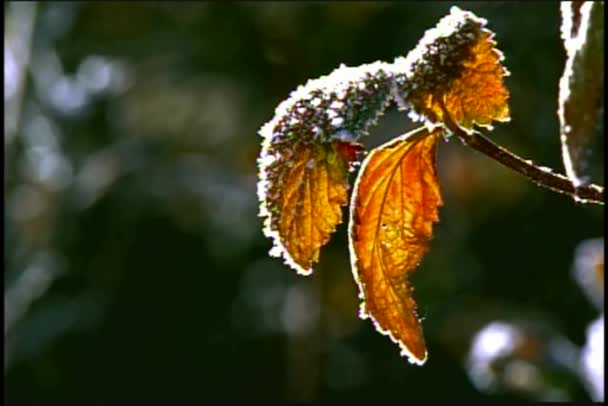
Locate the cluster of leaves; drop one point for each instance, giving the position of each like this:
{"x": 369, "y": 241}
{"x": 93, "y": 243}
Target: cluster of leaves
{"x": 452, "y": 81}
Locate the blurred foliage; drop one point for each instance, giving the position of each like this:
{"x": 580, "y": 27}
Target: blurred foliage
{"x": 135, "y": 265}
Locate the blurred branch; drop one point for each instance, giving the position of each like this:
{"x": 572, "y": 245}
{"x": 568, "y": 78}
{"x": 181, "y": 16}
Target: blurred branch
{"x": 20, "y": 18}
{"x": 32, "y": 283}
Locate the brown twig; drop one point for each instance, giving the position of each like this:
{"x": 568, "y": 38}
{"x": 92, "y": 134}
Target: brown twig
{"x": 542, "y": 176}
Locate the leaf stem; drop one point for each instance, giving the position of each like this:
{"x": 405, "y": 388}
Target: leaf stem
{"x": 542, "y": 176}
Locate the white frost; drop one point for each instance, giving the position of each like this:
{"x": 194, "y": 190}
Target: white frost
{"x": 337, "y": 122}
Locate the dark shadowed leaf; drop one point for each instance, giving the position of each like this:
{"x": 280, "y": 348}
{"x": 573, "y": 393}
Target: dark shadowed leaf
{"x": 580, "y": 87}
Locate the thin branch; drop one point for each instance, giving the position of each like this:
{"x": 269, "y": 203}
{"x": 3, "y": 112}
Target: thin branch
{"x": 540, "y": 175}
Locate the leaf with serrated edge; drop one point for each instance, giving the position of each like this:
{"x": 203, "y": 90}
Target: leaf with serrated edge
{"x": 479, "y": 95}
{"x": 303, "y": 187}
{"x": 456, "y": 64}
{"x": 394, "y": 205}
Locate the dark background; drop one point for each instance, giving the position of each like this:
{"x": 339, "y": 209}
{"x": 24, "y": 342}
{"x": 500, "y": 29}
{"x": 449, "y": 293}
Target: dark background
{"x": 135, "y": 263}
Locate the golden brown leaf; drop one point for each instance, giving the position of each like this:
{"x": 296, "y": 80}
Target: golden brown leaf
{"x": 303, "y": 188}
{"x": 479, "y": 95}
{"x": 456, "y": 63}
{"x": 393, "y": 208}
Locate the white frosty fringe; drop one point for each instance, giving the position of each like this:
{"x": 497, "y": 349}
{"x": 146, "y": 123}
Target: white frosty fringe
{"x": 329, "y": 93}
{"x": 399, "y": 80}
{"x": 573, "y": 43}
{"x": 278, "y": 249}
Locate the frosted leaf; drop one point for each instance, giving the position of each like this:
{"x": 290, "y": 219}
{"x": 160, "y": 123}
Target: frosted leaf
{"x": 456, "y": 63}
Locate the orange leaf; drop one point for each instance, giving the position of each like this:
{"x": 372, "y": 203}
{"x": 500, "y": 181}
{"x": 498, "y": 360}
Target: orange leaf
{"x": 456, "y": 63}
{"x": 303, "y": 187}
{"x": 393, "y": 208}
{"x": 479, "y": 96}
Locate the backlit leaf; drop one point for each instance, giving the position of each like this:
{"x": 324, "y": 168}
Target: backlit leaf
{"x": 303, "y": 187}
{"x": 456, "y": 63}
{"x": 306, "y": 154}
{"x": 479, "y": 95}
{"x": 393, "y": 208}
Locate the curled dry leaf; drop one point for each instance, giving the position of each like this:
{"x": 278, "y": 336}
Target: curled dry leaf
{"x": 393, "y": 208}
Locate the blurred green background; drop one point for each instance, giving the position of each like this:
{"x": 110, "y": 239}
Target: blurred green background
{"x": 135, "y": 265}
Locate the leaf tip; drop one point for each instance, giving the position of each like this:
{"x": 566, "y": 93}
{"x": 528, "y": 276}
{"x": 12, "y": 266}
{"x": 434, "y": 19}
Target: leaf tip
{"x": 279, "y": 250}
{"x": 414, "y": 359}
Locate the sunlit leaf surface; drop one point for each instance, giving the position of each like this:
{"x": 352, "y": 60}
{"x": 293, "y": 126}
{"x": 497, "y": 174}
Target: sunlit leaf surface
{"x": 456, "y": 63}
{"x": 393, "y": 208}
{"x": 303, "y": 188}
{"x": 479, "y": 95}
{"x": 306, "y": 154}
